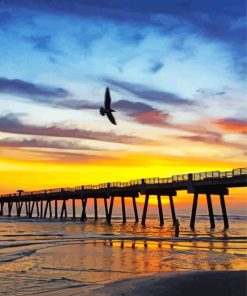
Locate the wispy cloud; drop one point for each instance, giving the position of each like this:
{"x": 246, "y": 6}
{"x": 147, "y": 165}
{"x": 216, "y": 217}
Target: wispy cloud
{"x": 233, "y": 124}
{"x": 143, "y": 113}
{"x": 76, "y": 104}
{"x": 30, "y": 90}
{"x": 11, "y": 124}
{"x": 41, "y": 143}
{"x": 145, "y": 93}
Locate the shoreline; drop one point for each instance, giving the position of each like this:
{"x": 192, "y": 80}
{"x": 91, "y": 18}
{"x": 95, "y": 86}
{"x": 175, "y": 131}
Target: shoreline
{"x": 202, "y": 283}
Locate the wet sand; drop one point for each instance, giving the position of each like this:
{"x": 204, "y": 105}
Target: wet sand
{"x": 208, "y": 283}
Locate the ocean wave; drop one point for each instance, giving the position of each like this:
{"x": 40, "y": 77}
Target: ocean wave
{"x": 86, "y": 270}
{"x": 15, "y": 256}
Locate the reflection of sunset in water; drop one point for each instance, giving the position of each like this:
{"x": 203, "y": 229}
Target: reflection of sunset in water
{"x": 54, "y": 254}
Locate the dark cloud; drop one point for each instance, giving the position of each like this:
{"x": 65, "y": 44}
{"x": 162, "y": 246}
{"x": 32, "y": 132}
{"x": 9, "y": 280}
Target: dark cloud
{"x": 132, "y": 108}
{"x": 42, "y": 43}
{"x": 145, "y": 93}
{"x": 41, "y": 143}
{"x": 213, "y": 18}
{"x": 210, "y": 92}
{"x": 77, "y": 104}
{"x": 142, "y": 113}
{"x": 138, "y": 111}
{"x": 233, "y": 124}
{"x": 11, "y": 124}
{"x": 30, "y": 90}
{"x": 156, "y": 67}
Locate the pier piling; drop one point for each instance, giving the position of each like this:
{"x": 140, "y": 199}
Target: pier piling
{"x": 193, "y": 213}
{"x": 210, "y": 211}
{"x": 95, "y": 209}
{"x": 123, "y": 209}
{"x": 144, "y": 214}
{"x": 83, "y": 213}
{"x": 174, "y": 218}
{"x": 135, "y": 209}
{"x": 110, "y": 209}
{"x": 160, "y": 210}
{"x": 224, "y": 213}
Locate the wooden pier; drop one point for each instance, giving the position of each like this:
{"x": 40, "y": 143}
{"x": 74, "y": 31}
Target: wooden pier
{"x": 46, "y": 201}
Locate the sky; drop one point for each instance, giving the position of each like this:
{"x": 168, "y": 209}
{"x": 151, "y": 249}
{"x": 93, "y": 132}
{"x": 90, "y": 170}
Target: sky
{"x": 177, "y": 75}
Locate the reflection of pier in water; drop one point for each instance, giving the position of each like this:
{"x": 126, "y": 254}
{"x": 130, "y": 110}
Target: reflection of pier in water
{"x": 167, "y": 255}
{"x": 45, "y": 202}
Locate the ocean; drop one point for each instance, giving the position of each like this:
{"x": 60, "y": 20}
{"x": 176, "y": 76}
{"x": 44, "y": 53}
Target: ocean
{"x": 41, "y": 255}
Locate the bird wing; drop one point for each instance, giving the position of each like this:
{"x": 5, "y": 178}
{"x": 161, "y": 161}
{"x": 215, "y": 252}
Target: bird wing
{"x": 111, "y": 118}
{"x": 107, "y": 99}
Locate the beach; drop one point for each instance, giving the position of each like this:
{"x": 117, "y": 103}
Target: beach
{"x": 213, "y": 283}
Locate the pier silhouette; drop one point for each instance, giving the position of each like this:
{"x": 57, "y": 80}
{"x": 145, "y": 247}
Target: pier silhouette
{"x": 207, "y": 183}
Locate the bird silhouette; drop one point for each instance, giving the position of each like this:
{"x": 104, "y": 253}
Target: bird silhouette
{"x": 107, "y": 108}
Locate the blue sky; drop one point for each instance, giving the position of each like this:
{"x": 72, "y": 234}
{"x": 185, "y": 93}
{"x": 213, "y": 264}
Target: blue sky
{"x": 176, "y": 70}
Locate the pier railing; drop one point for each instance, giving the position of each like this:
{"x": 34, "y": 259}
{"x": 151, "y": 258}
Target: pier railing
{"x": 174, "y": 179}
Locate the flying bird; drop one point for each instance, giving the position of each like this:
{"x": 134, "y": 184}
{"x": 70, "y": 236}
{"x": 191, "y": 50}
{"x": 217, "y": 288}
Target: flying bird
{"x": 107, "y": 108}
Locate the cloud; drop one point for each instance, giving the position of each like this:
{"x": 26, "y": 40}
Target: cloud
{"x": 209, "y": 137}
{"x": 156, "y": 67}
{"x": 145, "y": 93}
{"x": 77, "y": 158}
{"x": 155, "y": 118}
{"x": 205, "y": 137}
{"x": 77, "y": 104}
{"x": 233, "y": 124}
{"x": 132, "y": 108}
{"x": 41, "y": 42}
{"x": 41, "y": 143}
{"x": 30, "y": 90}
{"x": 11, "y": 124}
{"x": 142, "y": 113}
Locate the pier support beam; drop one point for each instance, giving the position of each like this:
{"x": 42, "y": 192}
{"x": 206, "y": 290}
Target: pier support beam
{"x": 95, "y": 209}
{"x": 193, "y": 213}
{"x": 210, "y": 211}
{"x": 10, "y": 204}
{"x": 106, "y": 208}
{"x": 17, "y": 205}
{"x": 26, "y": 206}
{"x": 224, "y": 213}
{"x": 46, "y": 208}
{"x": 160, "y": 210}
{"x": 110, "y": 209}
{"x": 41, "y": 208}
{"x": 144, "y": 214}
{"x": 135, "y": 209}
{"x": 55, "y": 215}
{"x": 1, "y": 208}
{"x": 20, "y": 208}
{"x": 73, "y": 208}
{"x": 50, "y": 209}
{"x": 37, "y": 208}
{"x": 31, "y": 210}
{"x": 123, "y": 209}
{"x": 174, "y": 218}
{"x": 83, "y": 213}
{"x": 63, "y": 210}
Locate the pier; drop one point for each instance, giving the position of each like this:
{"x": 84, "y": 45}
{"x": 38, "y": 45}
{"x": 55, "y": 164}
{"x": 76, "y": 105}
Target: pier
{"x": 205, "y": 183}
